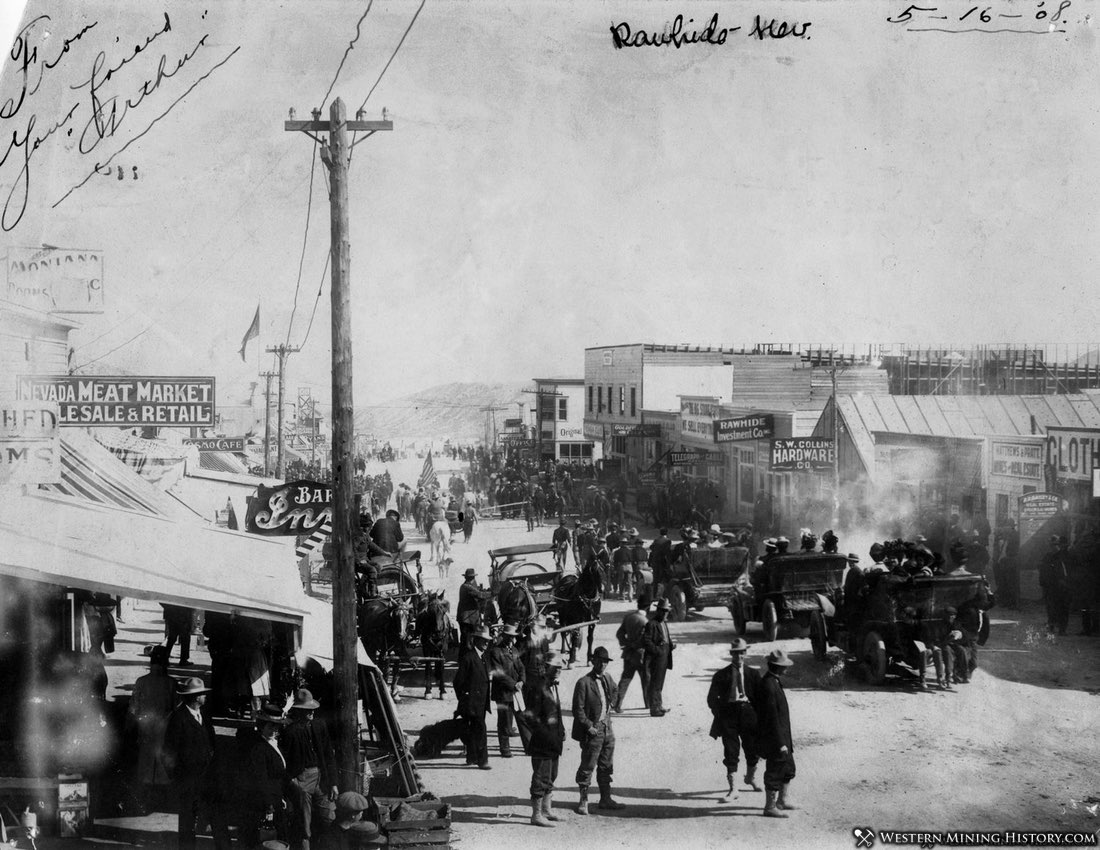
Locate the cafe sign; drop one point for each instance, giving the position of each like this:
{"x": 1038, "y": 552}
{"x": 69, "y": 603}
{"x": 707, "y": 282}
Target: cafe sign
{"x": 1073, "y": 452}
{"x": 761, "y": 427}
{"x": 803, "y": 454}
{"x": 124, "y": 401}
{"x": 217, "y": 444}
{"x": 297, "y": 507}
{"x": 30, "y": 443}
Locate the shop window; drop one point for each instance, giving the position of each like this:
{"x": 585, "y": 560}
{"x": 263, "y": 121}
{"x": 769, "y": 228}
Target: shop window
{"x": 586, "y": 451}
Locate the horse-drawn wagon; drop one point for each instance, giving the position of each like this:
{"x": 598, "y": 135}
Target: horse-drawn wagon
{"x": 516, "y": 564}
{"x": 799, "y": 589}
{"x": 705, "y": 577}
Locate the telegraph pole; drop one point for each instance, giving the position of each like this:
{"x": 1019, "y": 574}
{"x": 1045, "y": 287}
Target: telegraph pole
{"x": 267, "y": 422}
{"x": 335, "y": 154}
{"x": 282, "y": 352}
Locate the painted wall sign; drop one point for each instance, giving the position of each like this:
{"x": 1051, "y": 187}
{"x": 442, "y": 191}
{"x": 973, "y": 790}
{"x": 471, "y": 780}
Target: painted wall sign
{"x": 1073, "y": 452}
{"x": 297, "y": 507}
{"x": 123, "y": 400}
{"x": 217, "y": 444}
{"x": 806, "y": 454}
{"x": 593, "y": 431}
{"x": 761, "y": 427}
{"x": 1039, "y": 505}
{"x": 56, "y": 280}
{"x": 570, "y": 433}
{"x": 30, "y": 443}
{"x": 628, "y": 430}
{"x": 1016, "y": 460}
{"x": 688, "y": 458}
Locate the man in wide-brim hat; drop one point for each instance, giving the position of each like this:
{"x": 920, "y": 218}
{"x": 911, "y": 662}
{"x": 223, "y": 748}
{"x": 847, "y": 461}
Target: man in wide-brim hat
{"x": 471, "y": 687}
{"x": 593, "y": 697}
{"x": 774, "y": 741}
{"x": 265, "y": 778}
{"x": 730, "y": 698}
{"x": 310, "y": 769}
{"x": 658, "y": 646}
{"x": 189, "y": 758}
{"x": 468, "y": 612}
{"x": 507, "y": 673}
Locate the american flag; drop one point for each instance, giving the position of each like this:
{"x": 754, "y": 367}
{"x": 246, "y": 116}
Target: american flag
{"x": 315, "y": 541}
{"x": 427, "y": 474}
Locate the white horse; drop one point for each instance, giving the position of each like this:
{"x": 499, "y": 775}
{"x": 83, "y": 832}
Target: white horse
{"x": 440, "y": 536}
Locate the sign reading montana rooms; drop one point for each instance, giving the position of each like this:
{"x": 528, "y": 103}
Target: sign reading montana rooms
{"x": 124, "y": 400}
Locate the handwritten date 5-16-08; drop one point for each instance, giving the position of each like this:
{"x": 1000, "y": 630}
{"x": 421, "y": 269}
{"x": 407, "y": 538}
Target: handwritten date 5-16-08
{"x": 1004, "y": 17}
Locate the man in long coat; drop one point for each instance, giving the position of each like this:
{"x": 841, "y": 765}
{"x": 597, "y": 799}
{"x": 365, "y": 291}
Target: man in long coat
{"x": 658, "y": 656}
{"x": 732, "y": 691}
{"x": 773, "y": 741}
{"x": 470, "y": 598}
{"x": 506, "y": 672}
{"x": 543, "y": 717}
{"x": 310, "y": 769}
{"x": 471, "y": 686}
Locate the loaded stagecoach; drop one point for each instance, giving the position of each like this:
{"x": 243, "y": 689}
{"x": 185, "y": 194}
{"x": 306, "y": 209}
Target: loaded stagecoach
{"x": 530, "y": 566}
{"x": 799, "y": 590}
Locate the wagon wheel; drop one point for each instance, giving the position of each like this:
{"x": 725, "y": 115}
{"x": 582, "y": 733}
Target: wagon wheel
{"x": 770, "y": 620}
{"x": 874, "y": 656}
{"x": 679, "y": 604}
{"x": 738, "y": 619}
{"x": 818, "y": 635}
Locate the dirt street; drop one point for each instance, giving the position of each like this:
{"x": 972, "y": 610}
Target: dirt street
{"x": 1015, "y": 749}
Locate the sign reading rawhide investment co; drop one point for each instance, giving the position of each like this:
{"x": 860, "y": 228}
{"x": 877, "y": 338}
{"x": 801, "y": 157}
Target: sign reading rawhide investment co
{"x": 803, "y": 454}
{"x": 760, "y": 427}
{"x": 217, "y": 444}
{"x": 297, "y": 507}
{"x": 123, "y": 401}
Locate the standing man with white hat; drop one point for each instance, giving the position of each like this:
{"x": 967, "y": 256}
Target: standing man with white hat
{"x": 774, "y": 741}
{"x": 189, "y": 758}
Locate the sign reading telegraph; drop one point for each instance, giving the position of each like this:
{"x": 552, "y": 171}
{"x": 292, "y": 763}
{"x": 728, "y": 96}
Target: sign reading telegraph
{"x": 123, "y": 400}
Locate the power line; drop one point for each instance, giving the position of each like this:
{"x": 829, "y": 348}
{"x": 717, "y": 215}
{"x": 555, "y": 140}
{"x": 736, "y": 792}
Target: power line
{"x": 305, "y": 238}
{"x": 316, "y": 301}
{"x": 393, "y": 56}
{"x": 116, "y": 348}
{"x": 347, "y": 51}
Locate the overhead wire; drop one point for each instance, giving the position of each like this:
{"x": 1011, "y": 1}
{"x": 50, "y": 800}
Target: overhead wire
{"x": 394, "y": 54}
{"x": 305, "y": 241}
{"x": 113, "y": 350}
{"x": 347, "y": 51}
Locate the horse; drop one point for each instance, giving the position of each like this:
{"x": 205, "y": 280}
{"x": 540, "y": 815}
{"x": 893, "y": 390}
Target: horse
{"x": 517, "y": 604}
{"x": 440, "y": 536}
{"x": 577, "y": 599}
{"x": 433, "y": 625}
{"x": 383, "y": 625}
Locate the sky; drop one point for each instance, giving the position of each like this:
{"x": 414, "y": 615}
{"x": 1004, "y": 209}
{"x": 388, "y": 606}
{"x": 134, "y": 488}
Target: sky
{"x": 543, "y": 191}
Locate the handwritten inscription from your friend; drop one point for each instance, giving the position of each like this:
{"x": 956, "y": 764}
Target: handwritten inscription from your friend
{"x": 109, "y": 92}
{"x": 679, "y": 33}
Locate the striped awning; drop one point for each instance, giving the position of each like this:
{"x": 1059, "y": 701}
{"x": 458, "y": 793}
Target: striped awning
{"x": 223, "y": 462}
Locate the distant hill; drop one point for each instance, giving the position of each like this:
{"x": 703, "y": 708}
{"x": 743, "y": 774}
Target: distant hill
{"x": 447, "y": 410}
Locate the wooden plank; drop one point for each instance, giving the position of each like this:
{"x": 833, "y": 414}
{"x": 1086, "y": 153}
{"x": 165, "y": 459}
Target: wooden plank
{"x": 352, "y": 126}
{"x": 419, "y": 839}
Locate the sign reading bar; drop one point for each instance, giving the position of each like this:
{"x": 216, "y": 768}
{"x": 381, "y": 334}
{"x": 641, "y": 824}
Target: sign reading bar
{"x": 30, "y": 443}
{"x": 1073, "y": 452}
{"x": 1039, "y": 505}
{"x": 297, "y": 507}
{"x": 806, "y": 454}
{"x": 217, "y": 444}
{"x": 625, "y": 430}
{"x": 760, "y": 427}
{"x": 124, "y": 400}
{"x": 56, "y": 280}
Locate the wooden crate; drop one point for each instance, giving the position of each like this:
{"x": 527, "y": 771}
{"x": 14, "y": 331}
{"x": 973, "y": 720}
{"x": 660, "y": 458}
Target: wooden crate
{"x": 434, "y": 833}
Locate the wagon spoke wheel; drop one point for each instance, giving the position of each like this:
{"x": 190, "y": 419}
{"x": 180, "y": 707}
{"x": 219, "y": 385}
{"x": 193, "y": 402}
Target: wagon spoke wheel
{"x": 770, "y": 620}
{"x": 874, "y": 656}
{"x": 679, "y": 604}
{"x": 818, "y": 639}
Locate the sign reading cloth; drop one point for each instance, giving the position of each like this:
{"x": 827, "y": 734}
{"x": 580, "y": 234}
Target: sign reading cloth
{"x": 1073, "y": 452}
{"x": 30, "y": 443}
{"x": 56, "y": 280}
{"x": 1039, "y": 505}
{"x": 625, "y": 430}
{"x": 217, "y": 444}
{"x": 806, "y": 454}
{"x": 297, "y": 507}
{"x": 1016, "y": 460}
{"x": 760, "y": 427}
{"x": 124, "y": 400}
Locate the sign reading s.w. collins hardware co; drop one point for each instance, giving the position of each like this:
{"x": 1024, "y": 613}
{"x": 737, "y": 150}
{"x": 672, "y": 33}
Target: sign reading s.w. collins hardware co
{"x": 806, "y": 454}
{"x": 123, "y": 401}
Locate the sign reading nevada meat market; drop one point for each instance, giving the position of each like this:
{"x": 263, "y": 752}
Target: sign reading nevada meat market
{"x": 30, "y": 443}
{"x": 760, "y": 427}
{"x": 217, "y": 444}
{"x": 297, "y": 507}
{"x": 805, "y": 454}
{"x": 124, "y": 401}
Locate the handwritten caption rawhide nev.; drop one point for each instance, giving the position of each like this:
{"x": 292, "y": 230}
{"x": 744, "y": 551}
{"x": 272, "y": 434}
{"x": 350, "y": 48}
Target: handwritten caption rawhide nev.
{"x": 681, "y": 32}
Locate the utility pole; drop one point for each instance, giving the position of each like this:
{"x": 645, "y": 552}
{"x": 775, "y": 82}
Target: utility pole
{"x": 336, "y": 154}
{"x": 267, "y": 421}
{"x": 491, "y": 435}
{"x": 282, "y": 352}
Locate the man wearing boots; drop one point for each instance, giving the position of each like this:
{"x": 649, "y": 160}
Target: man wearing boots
{"x": 310, "y": 770}
{"x": 732, "y": 691}
{"x": 543, "y": 718}
{"x": 774, "y": 736}
{"x": 658, "y": 656}
{"x": 506, "y": 673}
{"x": 593, "y": 697}
{"x": 630, "y": 636}
{"x": 471, "y": 687}
{"x": 470, "y": 597}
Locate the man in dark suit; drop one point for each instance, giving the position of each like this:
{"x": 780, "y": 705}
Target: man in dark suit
{"x": 658, "y": 656}
{"x": 593, "y": 697}
{"x": 630, "y": 636}
{"x": 264, "y": 777}
{"x": 543, "y": 717}
{"x": 471, "y": 686}
{"x": 506, "y": 672}
{"x": 732, "y": 690}
{"x": 310, "y": 769}
{"x": 774, "y": 736}
{"x": 470, "y": 597}
{"x": 178, "y": 622}
{"x": 189, "y": 759}
{"x": 386, "y": 537}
